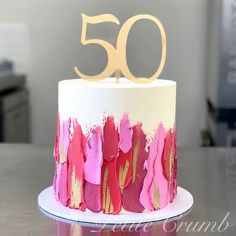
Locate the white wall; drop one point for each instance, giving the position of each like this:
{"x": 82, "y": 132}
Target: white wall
{"x": 55, "y": 33}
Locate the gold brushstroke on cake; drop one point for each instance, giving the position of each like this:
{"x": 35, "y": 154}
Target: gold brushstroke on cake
{"x": 156, "y": 197}
{"x": 63, "y": 153}
{"x": 135, "y": 160}
{"x": 171, "y": 163}
{"x": 111, "y": 208}
{"x": 76, "y": 188}
{"x": 108, "y": 200}
{"x": 104, "y": 188}
{"x": 106, "y": 195}
{"x": 123, "y": 174}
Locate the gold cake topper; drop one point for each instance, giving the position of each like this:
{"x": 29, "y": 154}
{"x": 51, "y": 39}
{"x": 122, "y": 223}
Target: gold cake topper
{"x": 117, "y": 61}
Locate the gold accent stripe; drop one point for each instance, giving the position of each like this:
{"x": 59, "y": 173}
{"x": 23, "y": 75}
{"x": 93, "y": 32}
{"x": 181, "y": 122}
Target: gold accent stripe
{"x": 156, "y": 197}
{"x": 135, "y": 160}
{"x": 108, "y": 200}
{"x": 63, "y": 154}
{"x": 104, "y": 188}
{"x": 123, "y": 171}
{"x": 76, "y": 189}
{"x": 171, "y": 162}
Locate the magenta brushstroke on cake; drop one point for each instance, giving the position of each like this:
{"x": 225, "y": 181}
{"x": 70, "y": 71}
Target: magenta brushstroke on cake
{"x": 133, "y": 190}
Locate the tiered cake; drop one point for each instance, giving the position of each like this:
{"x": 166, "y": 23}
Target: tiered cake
{"x": 115, "y": 148}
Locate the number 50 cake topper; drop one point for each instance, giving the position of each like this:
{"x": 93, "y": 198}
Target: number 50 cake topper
{"x": 117, "y": 60}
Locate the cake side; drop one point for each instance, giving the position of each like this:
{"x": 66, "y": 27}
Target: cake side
{"x": 120, "y": 159}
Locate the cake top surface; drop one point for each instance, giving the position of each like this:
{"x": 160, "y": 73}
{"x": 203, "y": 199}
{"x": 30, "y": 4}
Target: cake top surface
{"x": 111, "y": 83}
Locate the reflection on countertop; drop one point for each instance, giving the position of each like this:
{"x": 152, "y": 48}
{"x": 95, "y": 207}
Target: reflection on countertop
{"x": 25, "y": 170}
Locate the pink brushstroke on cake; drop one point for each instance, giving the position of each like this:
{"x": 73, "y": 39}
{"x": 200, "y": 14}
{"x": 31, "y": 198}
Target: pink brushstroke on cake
{"x": 126, "y": 134}
{"x": 64, "y": 140}
{"x": 159, "y": 179}
{"x": 93, "y": 164}
{"x": 173, "y": 193}
{"x": 145, "y": 196}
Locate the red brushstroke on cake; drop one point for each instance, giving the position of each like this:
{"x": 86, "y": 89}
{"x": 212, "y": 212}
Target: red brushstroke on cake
{"x": 126, "y": 134}
{"x": 76, "y": 158}
{"x": 168, "y": 161}
{"x": 110, "y": 140}
{"x": 131, "y": 194}
{"x": 111, "y": 196}
{"x": 124, "y": 168}
{"x": 167, "y": 155}
{"x": 92, "y": 196}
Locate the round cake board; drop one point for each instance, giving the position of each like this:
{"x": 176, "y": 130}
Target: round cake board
{"x": 181, "y": 205}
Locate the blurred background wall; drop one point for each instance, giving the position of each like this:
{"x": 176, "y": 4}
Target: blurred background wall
{"x": 55, "y": 28}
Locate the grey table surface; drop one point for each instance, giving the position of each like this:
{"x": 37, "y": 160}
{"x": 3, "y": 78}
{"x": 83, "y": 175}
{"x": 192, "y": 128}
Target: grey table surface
{"x": 209, "y": 174}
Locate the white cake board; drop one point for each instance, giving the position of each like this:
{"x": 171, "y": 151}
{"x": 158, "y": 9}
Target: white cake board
{"x": 182, "y": 204}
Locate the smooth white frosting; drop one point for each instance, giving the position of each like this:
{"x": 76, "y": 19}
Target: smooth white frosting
{"x": 150, "y": 103}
